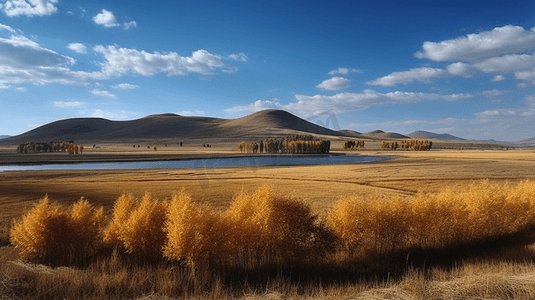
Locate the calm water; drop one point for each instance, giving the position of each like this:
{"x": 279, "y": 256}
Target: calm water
{"x": 252, "y": 161}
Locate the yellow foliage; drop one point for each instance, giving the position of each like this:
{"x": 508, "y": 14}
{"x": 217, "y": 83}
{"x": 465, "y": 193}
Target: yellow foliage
{"x": 50, "y": 233}
{"x": 375, "y": 226}
{"x": 137, "y": 226}
{"x": 193, "y": 231}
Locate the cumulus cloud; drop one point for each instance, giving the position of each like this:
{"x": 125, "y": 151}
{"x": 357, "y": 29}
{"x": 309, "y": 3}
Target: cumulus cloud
{"x": 125, "y": 86}
{"x": 105, "y": 18}
{"x": 122, "y": 61}
{"x": 344, "y": 71}
{"x": 258, "y": 105}
{"x": 344, "y": 102}
{"x": 103, "y": 93}
{"x": 23, "y": 60}
{"x": 29, "y": 8}
{"x": 498, "y": 78}
{"x": 404, "y": 77}
{"x": 67, "y": 104}
{"x": 334, "y": 84}
{"x": 77, "y": 47}
{"x": 500, "y": 40}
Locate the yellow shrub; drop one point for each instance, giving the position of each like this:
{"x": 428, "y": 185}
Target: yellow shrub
{"x": 50, "y": 233}
{"x": 194, "y": 232}
{"x": 268, "y": 229}
{"x": 137, "y": 226}
{"x": 257, "y": 229}
{"x": 433, "y": 221}
{"x": 122, "y": 209}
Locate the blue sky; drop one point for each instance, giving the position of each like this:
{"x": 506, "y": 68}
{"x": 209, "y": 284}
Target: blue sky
{"x": 465, "y": 68}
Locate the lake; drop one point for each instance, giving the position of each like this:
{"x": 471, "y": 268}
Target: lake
{"x": 228, "y": 162}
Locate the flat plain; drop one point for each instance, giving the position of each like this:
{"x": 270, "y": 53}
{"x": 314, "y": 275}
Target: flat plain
{"x": 321, "y": 187}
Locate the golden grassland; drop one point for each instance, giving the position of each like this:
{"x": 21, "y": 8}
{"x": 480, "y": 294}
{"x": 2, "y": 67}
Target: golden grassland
{"x": 498, "y": 269}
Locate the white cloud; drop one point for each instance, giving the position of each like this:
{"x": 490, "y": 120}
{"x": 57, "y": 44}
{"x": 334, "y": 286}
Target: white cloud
{"x": 258, "y": 105}
{"x": 459, "y": 69}
{"x": 67, "y": 104}
{"x": 129, "y": 25}
{"x": 103, "y": 93}
{"x": 6, "y": 27}
{"x": 522, "y": 85}
{"x": 238, "y": 57}
{"x": 77, "y": 47}
{"x": 530, "y": 101}
{"x": 125, "y": 86}
{"x": 29, "y": 8}
{"x": 500, "y": 40}
{"x": 404, "y": 77}
{"x": 105, "y": 18}
{"x": 498, "y": 78}
{"x": 344, "y": 71}
{"x": 334, "y": 84}
{"x": 493, "y": 93}
{"x": 122, "y": 61}
{"x": 192, "y": 113}
{"x": 23, "y": 60}
{"x": 344, "y": 102}
{"x": 99, "y": 113}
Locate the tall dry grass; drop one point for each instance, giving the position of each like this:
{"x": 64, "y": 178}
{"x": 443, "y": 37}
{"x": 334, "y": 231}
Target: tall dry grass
{"x": 52, "y": 233}
{"x": 375, "y": 226}
{"x": 258, "y": 229}
{"x": 264, "y": 229}
{"x": 137, "y": 226}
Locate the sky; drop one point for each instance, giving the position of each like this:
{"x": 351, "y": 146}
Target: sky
{"x": 465, "y": 68}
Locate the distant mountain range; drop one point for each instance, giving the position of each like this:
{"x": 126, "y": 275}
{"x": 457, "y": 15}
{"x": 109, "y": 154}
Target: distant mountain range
{"x": 435, "y": 136}
{"x": 259, "y": 125}
{"x": 266, "y": 123}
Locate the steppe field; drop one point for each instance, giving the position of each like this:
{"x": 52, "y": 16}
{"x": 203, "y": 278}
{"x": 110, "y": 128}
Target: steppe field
{"x": 497, "y": 266}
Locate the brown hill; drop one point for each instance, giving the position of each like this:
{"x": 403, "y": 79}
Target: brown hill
{"x": 164, "y": 126}
{"x": 379, "y": 134}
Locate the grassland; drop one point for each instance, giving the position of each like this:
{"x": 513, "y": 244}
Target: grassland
{"x": 499, "y": 272}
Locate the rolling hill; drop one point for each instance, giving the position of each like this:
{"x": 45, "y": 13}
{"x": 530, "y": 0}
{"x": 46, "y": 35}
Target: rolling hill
{"x": 3, "y": 136}
{"x": 164, "y": 126}
{"x": 436, "y": 136}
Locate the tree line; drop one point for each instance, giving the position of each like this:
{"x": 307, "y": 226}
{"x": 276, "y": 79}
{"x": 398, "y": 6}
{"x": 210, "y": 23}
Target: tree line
{"x": 292, "y": 144}
{"x": 42, "y": 147}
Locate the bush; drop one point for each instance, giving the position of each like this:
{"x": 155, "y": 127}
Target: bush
{"x": 194, "y": 233}
{"x": 370, "y": 227}
{"x": 137, "y": 227}
{"x": 258, "y": 229}
{"x": 50, "y": 233}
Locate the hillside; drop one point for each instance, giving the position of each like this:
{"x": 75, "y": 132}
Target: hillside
{"x": 431, "y": 135}
{"x": 165, "y": 126}
{"x": 379, "y": 134}
{"x": 3, "y": 136}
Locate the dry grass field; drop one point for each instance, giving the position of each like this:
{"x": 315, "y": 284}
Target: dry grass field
{"x": 502, "y": 269}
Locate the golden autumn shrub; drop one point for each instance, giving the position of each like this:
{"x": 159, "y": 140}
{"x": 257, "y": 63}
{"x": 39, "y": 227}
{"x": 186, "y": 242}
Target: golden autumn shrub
{"x": 257, "y": 229}
{"x": 272, "y": 229}
{"x": 51, "y": 233}
{"x": 137, "y": 227}
{"x": 194, "y": 232}
{"x": 374, "y": 226}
